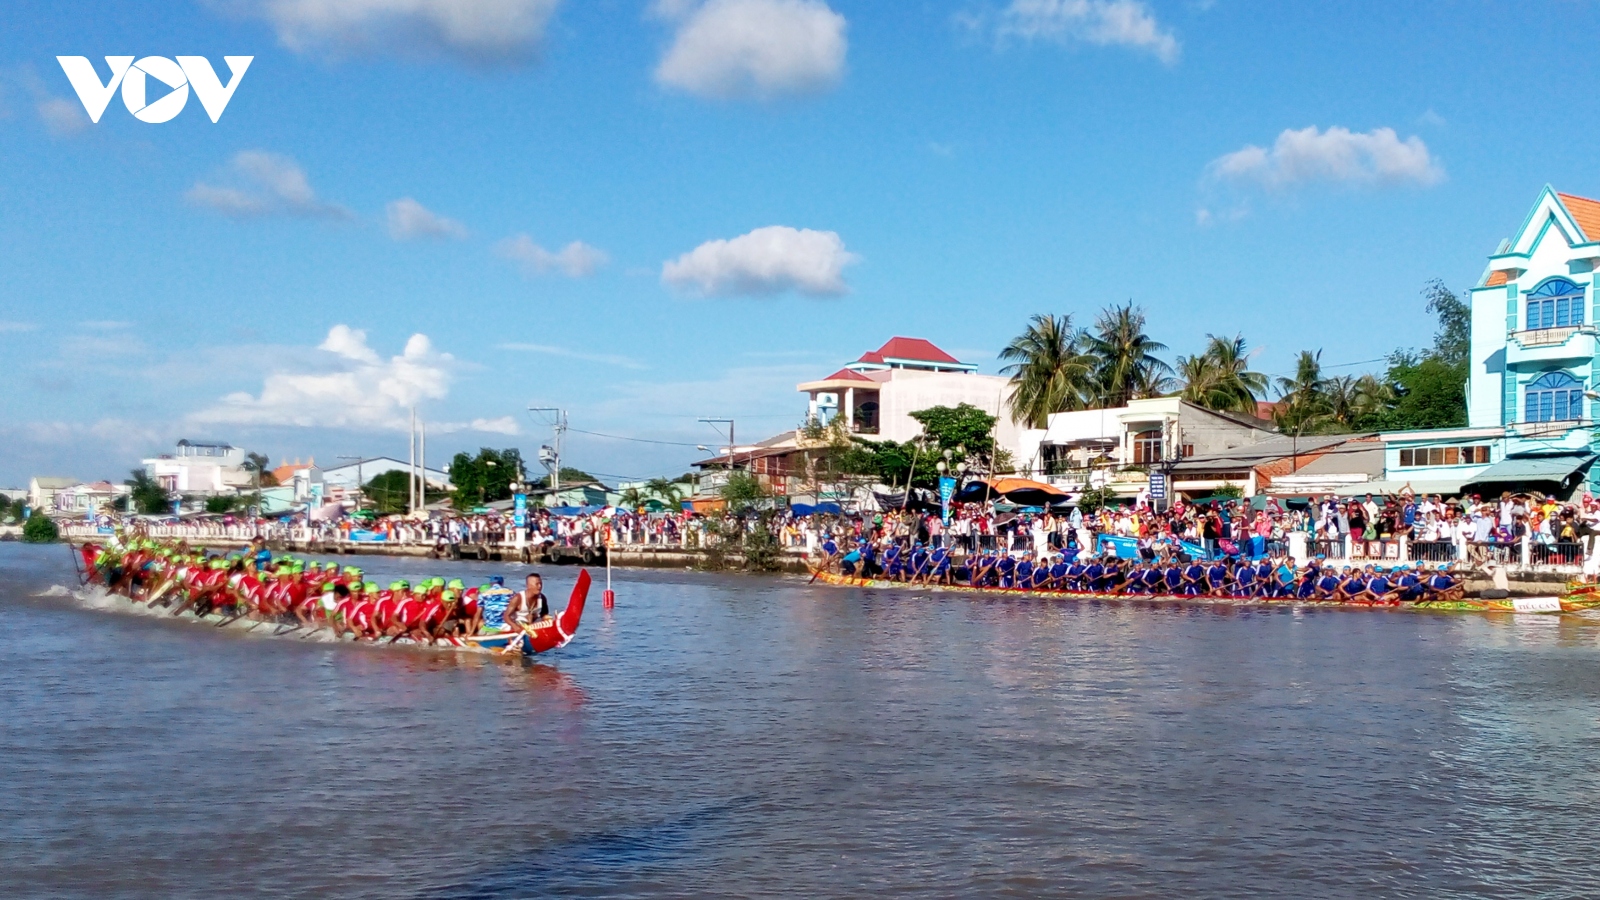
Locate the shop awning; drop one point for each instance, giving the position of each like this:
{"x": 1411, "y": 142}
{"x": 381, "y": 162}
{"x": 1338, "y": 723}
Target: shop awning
{"x": 1554, "y": 468}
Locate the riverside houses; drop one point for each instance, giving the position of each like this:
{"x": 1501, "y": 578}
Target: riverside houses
{"x": 1531, "y": 402}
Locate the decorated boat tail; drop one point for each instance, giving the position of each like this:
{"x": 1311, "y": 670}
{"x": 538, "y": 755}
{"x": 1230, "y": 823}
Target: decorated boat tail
{"x": 548, "y": 634}
{"x": 1577, "y": 598}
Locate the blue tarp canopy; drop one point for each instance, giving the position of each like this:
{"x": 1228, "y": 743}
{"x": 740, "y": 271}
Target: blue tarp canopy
{"x": 826, "y": 508}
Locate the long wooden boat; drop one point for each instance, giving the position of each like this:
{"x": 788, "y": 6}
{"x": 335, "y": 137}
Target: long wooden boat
{"x": 549, "y": 634}
{"x": 1577, "y": 599}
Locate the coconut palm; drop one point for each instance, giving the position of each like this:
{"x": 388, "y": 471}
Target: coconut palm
{"x": 1220, "y": 378}
{"x": 1352, "y": 401}
{"x": 666, "y": 491}
{"x": 1302, "y": 398}
{"x": 1125, "y": 364}
{"x": 1049, "y": 372}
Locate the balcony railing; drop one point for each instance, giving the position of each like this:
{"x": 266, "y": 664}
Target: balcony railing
{"x": 1548, "y": 429}
{"x": 1545, "y": 337}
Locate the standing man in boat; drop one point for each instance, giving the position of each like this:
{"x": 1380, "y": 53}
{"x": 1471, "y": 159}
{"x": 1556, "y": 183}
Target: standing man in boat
{"x": 529, "y": 606}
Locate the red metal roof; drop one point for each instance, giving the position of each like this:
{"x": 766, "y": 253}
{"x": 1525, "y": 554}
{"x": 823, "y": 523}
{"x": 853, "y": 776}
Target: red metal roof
{"x": 847, "y": 375}
{"x": 911, "y": 348}
{"x": 871, "y": 357}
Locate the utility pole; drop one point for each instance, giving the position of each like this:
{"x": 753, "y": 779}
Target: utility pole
{"x": 558, "y": 426}
{"x": 411, "y": 465}
{"x": 729, "y": 423}
{"x": 422, "y": 464}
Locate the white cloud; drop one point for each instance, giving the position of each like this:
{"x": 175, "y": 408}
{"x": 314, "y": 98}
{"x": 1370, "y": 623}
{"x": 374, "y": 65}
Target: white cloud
{"x": 1109, "y": 23}
{"x": 410, "y": 220}
{"x": 550, "y": 350}
{"x": 752, "y": 48}
{"x": 1337, "y": 155}
{"x": 107, "y": 325}
{"x": 477, "y": 31}
{"x": 352, "y": 387}
{"x": 265, "y": 184}
{"x": 501, "y": 425}
{"x": 768, "y": 260}
{"x": 10, "y": 327}
{"x": 575, "y": 260}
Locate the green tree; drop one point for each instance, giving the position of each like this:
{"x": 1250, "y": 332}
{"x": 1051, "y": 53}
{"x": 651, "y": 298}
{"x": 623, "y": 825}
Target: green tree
{"x": 221, "y": 503}
{"x": 1425, "y": 392}
{"x": 1125, "y": 366}
{"x": 257, "y": 463}
{"x": 742, "y": 491}
{"x": 1048, "y": 369}
{"x": 1302, "y": 398}
{"x": 569, "y": 477}
{"x": 39, "y": 529}
{"x": 148, "y": 496}
{"x": 486, "y": 477}
{"x": 1452, "y": 343}
{"x": 965, "y": 430}
{"x": 1220, "y": 377}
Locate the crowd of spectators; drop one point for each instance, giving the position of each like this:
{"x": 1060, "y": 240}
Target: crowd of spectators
{"x": 1470, "y": 528}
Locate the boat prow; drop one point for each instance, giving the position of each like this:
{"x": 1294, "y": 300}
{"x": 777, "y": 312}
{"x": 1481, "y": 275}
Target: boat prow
{"x": 550, "y": 634}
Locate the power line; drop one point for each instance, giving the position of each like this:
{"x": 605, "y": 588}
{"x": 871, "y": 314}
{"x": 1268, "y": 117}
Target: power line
{"x": 619, "y": 437}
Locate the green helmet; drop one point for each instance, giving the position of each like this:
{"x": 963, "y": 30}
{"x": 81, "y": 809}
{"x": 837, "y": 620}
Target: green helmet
{"x": 369, "y": 587}
{"x": 456, "y": 585}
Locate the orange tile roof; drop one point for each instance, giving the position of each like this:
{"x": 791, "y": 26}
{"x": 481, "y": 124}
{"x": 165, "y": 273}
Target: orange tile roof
{"x": 1585, "y": 212}
{"x": 1496, "y": 278}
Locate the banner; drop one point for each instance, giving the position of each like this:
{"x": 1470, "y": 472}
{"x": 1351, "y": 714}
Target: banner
{"x": 519, "y": 517}
{"x": 947, "y": 489}
{"x": 364, "y": 536}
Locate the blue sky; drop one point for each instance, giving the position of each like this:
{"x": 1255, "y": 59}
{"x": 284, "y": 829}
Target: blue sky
{"x": 652, "y": 212}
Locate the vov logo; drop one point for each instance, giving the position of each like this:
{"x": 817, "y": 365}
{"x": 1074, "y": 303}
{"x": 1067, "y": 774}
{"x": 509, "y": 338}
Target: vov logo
{"x": 133, "y": 78}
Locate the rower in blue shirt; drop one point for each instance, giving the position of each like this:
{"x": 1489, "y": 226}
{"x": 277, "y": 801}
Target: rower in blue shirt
{"x": 1075, "y": 571}
{"x": 1006, "y": 567}
{"x": 1194, "y": 575}
{"x": 1024, "y": 576}
{"x": 1094, "y": 580}
{"x": 891, "y": 562}
{"x": 1216, "y": 578}
{"x": 1058, "y": 574}
{"x": 1409, "y": 584}
{"x": 1328, "y": 584}
{"x": 1244, "y": 581}
{"x": 939, "y": 562}
{"x": 1172, "y": 579}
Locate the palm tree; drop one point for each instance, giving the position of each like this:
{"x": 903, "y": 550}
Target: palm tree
{"x": 1049, "y": 371}
{"x": 1303, "y": 401}
{"x": 1354, "y": 401}
{"x": 666, "y": 490}
{"x": 1125, "y": 365}
{"x": 1220, "y": 378}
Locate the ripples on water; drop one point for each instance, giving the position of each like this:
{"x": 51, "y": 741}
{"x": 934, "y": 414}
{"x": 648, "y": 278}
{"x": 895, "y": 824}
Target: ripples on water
{"x": 738, "y": 737}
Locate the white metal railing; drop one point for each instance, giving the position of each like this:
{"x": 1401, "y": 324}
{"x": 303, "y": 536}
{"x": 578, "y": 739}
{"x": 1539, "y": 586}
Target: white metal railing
{"x": 1545, "y": 337}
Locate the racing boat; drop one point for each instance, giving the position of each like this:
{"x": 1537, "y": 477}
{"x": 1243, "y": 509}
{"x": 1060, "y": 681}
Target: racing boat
{"x": 1576, "y": 599}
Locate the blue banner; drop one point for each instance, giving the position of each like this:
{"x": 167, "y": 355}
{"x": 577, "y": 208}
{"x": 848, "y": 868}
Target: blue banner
{"x": 519, "y": 517}
{"x": 947, "y": 489}
{"x": 367, "y": 537}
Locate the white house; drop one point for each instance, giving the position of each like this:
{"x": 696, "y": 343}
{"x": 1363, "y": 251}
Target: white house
{"x": 201, "y": 467}
{"x": 1534, "y": 367}
{"x": 1123, "y": 444}
{"x": 42, "y": 490}
{"x": 878, "y": 392}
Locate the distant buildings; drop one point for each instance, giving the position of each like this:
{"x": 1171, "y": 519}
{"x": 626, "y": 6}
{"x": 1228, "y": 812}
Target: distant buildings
{"x": 201, "y": 468}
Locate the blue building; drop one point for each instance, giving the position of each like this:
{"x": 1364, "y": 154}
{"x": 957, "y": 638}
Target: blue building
{"x": 1531, "y": 401}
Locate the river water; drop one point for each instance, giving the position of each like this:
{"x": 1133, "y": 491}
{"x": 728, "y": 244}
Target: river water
{"x": 731, "y": 736}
